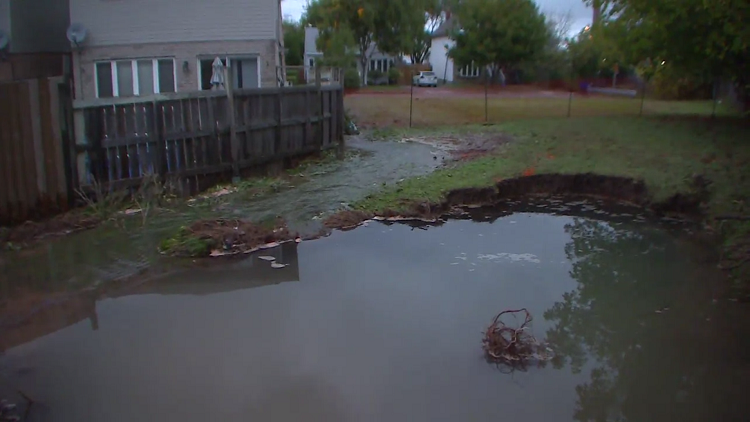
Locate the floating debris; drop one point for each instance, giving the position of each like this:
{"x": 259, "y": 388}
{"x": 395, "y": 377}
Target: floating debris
{"x": 514, "y": 347}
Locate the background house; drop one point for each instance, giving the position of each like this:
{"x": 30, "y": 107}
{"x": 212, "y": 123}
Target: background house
{"x": 37, "y": 45}
{"x": 379, "y": 61}
{"x": 142, "y": 47}
{"x": 443, "y": 65}
{"x": 312, "y": 56}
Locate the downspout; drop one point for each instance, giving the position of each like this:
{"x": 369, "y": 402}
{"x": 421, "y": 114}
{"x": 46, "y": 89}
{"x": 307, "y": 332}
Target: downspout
{"x": 281, "y": 54}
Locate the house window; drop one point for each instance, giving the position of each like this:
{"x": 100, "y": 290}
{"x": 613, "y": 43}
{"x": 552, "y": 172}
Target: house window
{"x": 380, "y": 65}
{"x": 469, "y": 71}
{"x": 312, "y": 62}
{"x": 129, "y": 78}
{"x": 245, "y": 71}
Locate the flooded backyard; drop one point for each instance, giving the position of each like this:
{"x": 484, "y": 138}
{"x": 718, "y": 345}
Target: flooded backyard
{"x": 385, "y": 323}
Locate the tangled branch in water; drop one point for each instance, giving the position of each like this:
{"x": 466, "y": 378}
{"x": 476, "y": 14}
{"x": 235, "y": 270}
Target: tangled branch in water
{"x": 514, "y": 348}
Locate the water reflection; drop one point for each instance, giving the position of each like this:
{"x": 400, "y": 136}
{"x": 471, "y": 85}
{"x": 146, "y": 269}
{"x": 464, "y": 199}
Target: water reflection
{"x": 384, "y": 323}
{"x": 663, "y": 351}
{"x": 30, "y": 312}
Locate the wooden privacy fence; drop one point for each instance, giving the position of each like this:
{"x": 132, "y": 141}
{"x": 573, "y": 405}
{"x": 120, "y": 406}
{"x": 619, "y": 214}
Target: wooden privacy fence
{"x": 187, "y": 136}
{"x": 33, "y": 136}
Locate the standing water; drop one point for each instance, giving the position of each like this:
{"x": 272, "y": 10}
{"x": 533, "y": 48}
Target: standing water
{"x": 385, "y": 323}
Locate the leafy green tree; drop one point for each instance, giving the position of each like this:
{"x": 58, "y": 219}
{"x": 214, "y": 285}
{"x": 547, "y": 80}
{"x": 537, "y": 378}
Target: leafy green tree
{"x": 294, "y": 42}
{"x": 498, "y": 33}
{"x": 357, "y": 17}
{"x": 398, "y": 25}
{"x": 711, "y": 38}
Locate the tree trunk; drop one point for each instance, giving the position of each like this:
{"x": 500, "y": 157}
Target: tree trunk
{"x": 363, "y": 62}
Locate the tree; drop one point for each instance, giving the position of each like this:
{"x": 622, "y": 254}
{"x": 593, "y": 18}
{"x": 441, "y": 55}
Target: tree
{"x": 695, "y": 36}
{"x": 434, "y": 16}
{"x": 498, "y": 33}
{"x": 399, "y": 25}
{"x": 294, "y": 42}
{"x": 357, "y": 17}
{"x": 553, "y": 63}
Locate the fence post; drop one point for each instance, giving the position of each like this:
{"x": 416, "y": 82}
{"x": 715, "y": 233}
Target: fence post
{"x": 279, "y": 120}
{"x": 716, "y": 98}
{"x": 321, "y": 115}
{"x": 643, "y": 98}
{"x": 233, "y": 141}
{"x": 340, "y": 117}
{"x": 411, "y": 96}
{"x": 78, "y": 170}
{"x": 486, "y": 86}
{"x": 159, "y": 167}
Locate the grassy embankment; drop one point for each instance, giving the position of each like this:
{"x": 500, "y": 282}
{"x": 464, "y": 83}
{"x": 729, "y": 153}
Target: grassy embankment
{"x": 666, "y": 152}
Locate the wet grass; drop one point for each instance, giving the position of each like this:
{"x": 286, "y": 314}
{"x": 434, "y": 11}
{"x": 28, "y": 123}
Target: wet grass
{"x": 665, "y": 153}
{"x": 376, "y": 111}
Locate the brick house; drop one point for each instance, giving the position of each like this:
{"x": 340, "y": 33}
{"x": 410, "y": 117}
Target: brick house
{"x": 142, "y": 47}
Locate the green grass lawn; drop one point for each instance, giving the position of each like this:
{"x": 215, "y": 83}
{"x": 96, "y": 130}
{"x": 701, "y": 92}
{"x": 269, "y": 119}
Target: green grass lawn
{"x": 393, "y": 110}
{"x": 664, "y": 152}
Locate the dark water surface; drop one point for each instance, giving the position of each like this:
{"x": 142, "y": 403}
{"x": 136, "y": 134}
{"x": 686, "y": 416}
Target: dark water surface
{"x": 384, "y": 323}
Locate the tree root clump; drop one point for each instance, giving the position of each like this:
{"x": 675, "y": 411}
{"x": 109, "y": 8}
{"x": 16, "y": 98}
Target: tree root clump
{"x": 514, "y": 346}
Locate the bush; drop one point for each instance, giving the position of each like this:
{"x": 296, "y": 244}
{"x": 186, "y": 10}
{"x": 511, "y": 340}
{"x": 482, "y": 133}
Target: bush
{"x": 671, "y": 84}
{"x": 375, "y": 77}
{"x": 351, "y": 78}
{"x": 393, "y": 75}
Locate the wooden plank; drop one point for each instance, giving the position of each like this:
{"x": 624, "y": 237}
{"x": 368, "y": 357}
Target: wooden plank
{"x": 6, "y": 158}
{"x": 158, "y": 138}
{"x": 277, "y": 148}
{"x": 56, "y": 159}
{"x": 29, "y": 190}
{"x": 35, "y": 117}
{"x": 321, "y": 109}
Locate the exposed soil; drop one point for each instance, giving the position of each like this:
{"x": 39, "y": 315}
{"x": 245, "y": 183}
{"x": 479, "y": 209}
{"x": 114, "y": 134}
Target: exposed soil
{"x": 226, "y": 237}
{"x": 346, "y": 220}
{"x": 464, "y": 147}
{"x": 618, "y": 189}
{"x": 61, "y": 225}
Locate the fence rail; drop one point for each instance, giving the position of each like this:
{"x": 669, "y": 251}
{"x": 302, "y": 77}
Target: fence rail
{"x": 195, "y": 138}
{"x": 203, "y": 133}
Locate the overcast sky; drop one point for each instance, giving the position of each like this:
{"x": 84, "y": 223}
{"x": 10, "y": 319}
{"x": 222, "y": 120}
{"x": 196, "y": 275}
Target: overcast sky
{"x": 579, "y": 13}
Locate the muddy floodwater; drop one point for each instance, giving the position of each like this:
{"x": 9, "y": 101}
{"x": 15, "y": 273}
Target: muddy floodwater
{"x": 384, "y": 323}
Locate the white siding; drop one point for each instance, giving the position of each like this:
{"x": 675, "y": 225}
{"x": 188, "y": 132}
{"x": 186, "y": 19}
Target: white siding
{"x": 439, "y": 58}
{"x": 118, "y": 22}
{"x": 5, "y": 16}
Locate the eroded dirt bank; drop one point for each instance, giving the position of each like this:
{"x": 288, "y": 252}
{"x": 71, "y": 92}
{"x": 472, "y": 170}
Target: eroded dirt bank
{"x": 619, "y": 189}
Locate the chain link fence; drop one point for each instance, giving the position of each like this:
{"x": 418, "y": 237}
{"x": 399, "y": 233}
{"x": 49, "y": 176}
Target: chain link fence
{"x": 468, "y": 102}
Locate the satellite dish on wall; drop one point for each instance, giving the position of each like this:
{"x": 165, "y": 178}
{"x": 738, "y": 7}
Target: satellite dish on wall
{"x": 4, "y": 40}
{"x": 76, "y": 34}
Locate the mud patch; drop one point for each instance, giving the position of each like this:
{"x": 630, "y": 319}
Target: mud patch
{"x": 460, "y": 146}
{"x": 225, "y": 237}
{"x": 611, "y": 188}
{"x": 61, "y": 225}
{"x": 346, "y": 220}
